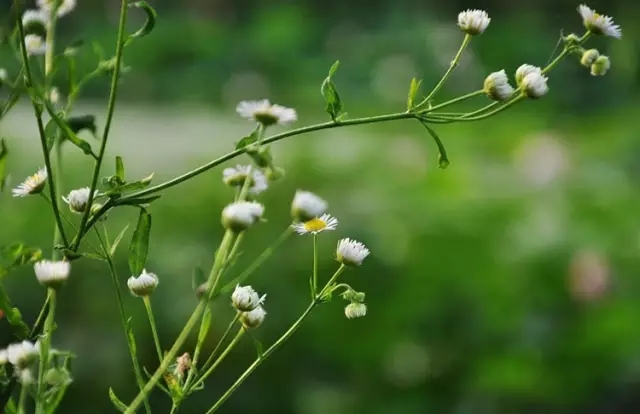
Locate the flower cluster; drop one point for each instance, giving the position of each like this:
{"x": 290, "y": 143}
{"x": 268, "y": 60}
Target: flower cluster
{"x": 22, "y": 356}
{"x": 249, "y": 305}
{"x": 37, "y": 20}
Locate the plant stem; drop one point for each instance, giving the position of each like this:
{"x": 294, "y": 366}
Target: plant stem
{"x": 314, "y": 280}
{"x": 222, "y": 356}
{"x": 113, "y": 92}
{"x": 152, "y": 322}
{"x": 45, "y": 345}
{"x": 22, "y": 399}
{"x": 58, "y": 184}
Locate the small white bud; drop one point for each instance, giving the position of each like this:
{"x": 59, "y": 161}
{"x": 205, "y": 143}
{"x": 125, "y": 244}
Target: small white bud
{"x": 4, "y": 356}
{"x": 535, "y": 85}
{"x": 589, "y": 57}
{"x": 52, "y": 274}
{"x": 25, "y": 376}
{"x": 35, "y": 45}
{"x": 524, "y": 70}
{"x": 601, "y": 66}
{"x": 54, "y": 95}
{"x": 65, "y": 6}
{"x": 497, "y": 87}
{"x": 245, "y": 299}
{"x": 236, "y": 176}
{"x": 351, "y": 252}
{"x": 473, "y": 22}
{"x": 241, "y": 215}
{"x": 78, "y": 199}
{"x": 143, "y": 285}
{"x": 35, "y": 17}
{"x": 254, "y": 318}
{"x": 355, "y": 310}
{"x": 307, "y": 206}
{"x": 22, "y": 354}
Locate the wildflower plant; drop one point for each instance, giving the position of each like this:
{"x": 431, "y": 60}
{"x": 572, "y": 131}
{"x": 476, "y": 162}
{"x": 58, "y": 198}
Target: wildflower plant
{"x": 32, "y": 368}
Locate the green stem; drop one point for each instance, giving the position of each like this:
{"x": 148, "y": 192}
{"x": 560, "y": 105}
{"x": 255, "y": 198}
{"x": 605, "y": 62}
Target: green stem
{"x": 113, "y": 92}
{"x": 557, "y": 60}
{"x": 314, "y": 280}
{"x": 453, "y": 101}
{"x": 57, "y": 237}
{"x": 22, "y": 400}
{"x": 222, "y": 356}
{"x": 45, "y": 345}
{"x": 152, "y": 322}
{"x": 174, "y": 408}
{"x": 275, "y": 345}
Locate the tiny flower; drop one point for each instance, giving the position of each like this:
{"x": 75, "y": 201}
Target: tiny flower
{"x": 183, "y": 364}
{"x": 4, "y": 76}
{"x": 143, "y": 285}
{"x": 32, "y": 185}
{"x": 535, "y": 85}
{"x": 351, "y": 252}
{"x": 598, "y": 23}
{"x": 236, "y": 176}
{"x": 355, "y": 310}
{"x": 473, "y": 22}
{"x": 22, "y": 354}
{"x": 589, "y": 57}
{"x": 524, "y": 70}
{"x": 4, "y": 356}
{"x": 25, "y": 376}
{"x": 65, "y": 7}
{"x": 307, "y": 206}
{"x": 35, "y": 45}
{"x": 265, "y": 113}
{"x": 35, "y": 17}
{"x": 241, "y": 215}
{"x": 54, "y": 95}
{"x": 245, "y": 299}
{"x": 52, "y": 274}
{"x": 254, "y": 318}
{"x": 497, "y": 86}
{"x": 601, "y": 66}
{"x": 78, "y": 199}
{"x": 316, "y": 225}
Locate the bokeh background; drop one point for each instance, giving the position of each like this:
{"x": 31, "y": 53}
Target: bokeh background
{"x": 507, "y": 283}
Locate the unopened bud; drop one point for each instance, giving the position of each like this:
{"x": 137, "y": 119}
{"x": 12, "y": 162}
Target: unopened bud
{"x": 601, "y": 66}
{"x": 589, "y": 57}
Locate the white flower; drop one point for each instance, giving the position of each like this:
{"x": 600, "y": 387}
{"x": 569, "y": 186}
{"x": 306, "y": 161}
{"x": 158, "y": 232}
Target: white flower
{"x": 66, "y": 6}
{"x": 54, "y": 95}
{"x": 241, "y": 215}
{"x": 598, "y": 23}
{"x": 33, "y": 184}
{"x": 473, "y": 22}
{"x": 25, "y": 376}
{"x": 351, "y": 252}
{"x": 307, "y": 206}
{"x": 22, "y": 354}
{"x": 52, "y": 274}
{"x": 355, "y": 310}
{"x": 266, "y": 113}
{"x": 535, "y": 85}
{"x": 35, "y": 44}
{"x": 36, "y": 16}
{"x": 254, "y": 318}
{"x": 316, "y": 225}
{"x": 4, "y": 356}
{"x": 601, "y": 66}
{"x": 524, "y": 70}
{"x": 236, "y": 176}
{"x": 143, "y": 285}
{"x": 245, "y": 299}
{"x": 497, "y": 86}
{"x": 78, "y": 199}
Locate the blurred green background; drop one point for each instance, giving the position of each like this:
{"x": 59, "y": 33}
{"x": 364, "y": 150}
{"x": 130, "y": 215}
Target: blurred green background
{"x": 507, "y": 283}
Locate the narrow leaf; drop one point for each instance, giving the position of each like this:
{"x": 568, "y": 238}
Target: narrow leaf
{"x": 117, "y": 241}
{"x": 332, "y": 98}
{"x": 4, "y": 154}
{"x": 334, "y": 68}
{"x": 139, "y": 247}
{"x": 120, "y": 406}
{"x": 68, "y": 133}
{"x": 149, "y": 24}
{"x": 413, "y": 91}
{"x": 443, "y": 160}
{"x": 248, "y": 140}
{"x": 51, "y": 132}
{"x": 133, "y": 186}
{"x": 120, "y": 168}
{"x": 13, "y": 315}
{"x": 131, "y": 338}
{"x": 82, "y": 122}
{"x": 139, "y": 201}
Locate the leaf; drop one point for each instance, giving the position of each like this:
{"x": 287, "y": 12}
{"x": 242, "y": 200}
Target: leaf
{"x": 17, "y": 254}
{"x": 133, "y": 186}
{"x": 413, "y": 91}
{"x": 139, "y": 247}
{"x": 50, "y": 133}
{"x": 248, "y": 140}
{"x": 197, "y": 278}
{"x": 82, "y": 122}
{"x": 120, "y": 406}
{"x": 443, "y": 160}
{"x": 13, "y": 315}
{"x": 120, "y": 168}
{"x": 131, "y": 338}
{"x": 334, "y": 68}
{"x": 117, "y": 241}
{"x": 330, "y": 93}
{"x": 138, "y": 201}
{"x": 4, "y": 154}
{"x": 149, "y": 24}
{"x": 68, "y": 133}
{"x": 262, "y": 157}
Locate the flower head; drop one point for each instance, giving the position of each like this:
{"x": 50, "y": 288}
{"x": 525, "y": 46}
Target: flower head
{"x": 351, "y": 252}
{"x": 65, "y": 7}
{"x": 473, "y": 22}
{"x": 598, "y": 23}
{"x": 241, "y": 215}
{"x": 524, "y": 70}
{"x": 33, "y": 184}
{"x": 497, "y": 86}
{"x": 236, "y": 177}
{"x": 52, "y": 274}
{"x": 35, "y": 44}
{"x": 266, "y": 113}
{"x": 600, "y": 66}
{"x": 35, "y": 17}
{"x": 307, "y": 206}
{"x": 355, "y": 310}
{"x": 78, "y": 199}
{"x": 22, "y": 354}
{"x": 254, "y": 318}
{"x": 589, "y": 57}
{"x": 535, "y": 85}
{"x": 316, "y": 225}
{"x": 245, "y": 299}
{"x": 143, "y": 285}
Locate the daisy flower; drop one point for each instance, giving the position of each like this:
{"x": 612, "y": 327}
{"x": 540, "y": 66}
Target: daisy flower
{"x": 351, "y": 252}
{"x": 32, "y": 185}
{"x": 316, "y": 225}
{"x": 266, "y": 113}
{"x": 598, "y": 23}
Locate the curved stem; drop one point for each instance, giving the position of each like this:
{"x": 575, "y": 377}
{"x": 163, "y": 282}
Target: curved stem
{"x": 45, "y": 345}
{"x": 152, "y": 322}
{"x": 222, "y": 356}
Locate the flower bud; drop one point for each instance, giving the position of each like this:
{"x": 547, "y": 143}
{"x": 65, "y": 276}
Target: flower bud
{"x": 473, "y": 22}
{"x": 143, "y": 285}
{"x": 601, "y": 66}
{"x": 57, "y": 377}
{"x": 535, "y": 85}
{"x": 241, "y": 215}
{"x": 307, "y": 206}
{"x": 254, "y": 318}
{"x": 351, "y": 252}
{"x": 183, "y": 364}
{"x": 52, "y": 274}
{"x": 524, "y": 70}
{"x": 78, "y": 199}
{"x": 22, "y": 354}
{"x": 572, "y": 39}
{"x": 245, "y": 299}
{"x": 355, "y": 310}
{"x": 275, "y": 173}
{"x": 236, "y": 177}
{"x": 497, "y": 87}
{"x": 589, "y": 57}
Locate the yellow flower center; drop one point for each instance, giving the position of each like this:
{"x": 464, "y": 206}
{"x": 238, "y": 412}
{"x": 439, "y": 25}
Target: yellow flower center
{"x": 315, "y": 225}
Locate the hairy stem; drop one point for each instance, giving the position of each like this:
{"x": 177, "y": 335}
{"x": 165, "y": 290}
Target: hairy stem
{"x": 154, "y": 330}
{"x": 45, "y": 345}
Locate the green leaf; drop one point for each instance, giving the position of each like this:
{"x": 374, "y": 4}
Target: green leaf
{"x": 4, "y": 154}
{"x": 334, "y": 68}
{"x": 68, "y": 133}
{"x": 149, "y": 24}
{"x": 138, "y": 201}
{"x": 13, "y": 315}
{"x": 139, "y": 247}
{"x": 120, "y": 406}
{"x": 261, "y": 157}
{"x": 17, "y": 254}
{"x": 330, "y": 93}
{"x": 248, "y": 140}
{"x": 131, "y": 338}
{"x": 443, "y": 160}
{"x": 117, "y": 241}
{"x": 133, "y": 186}
{"x": 413, "y": 91}
{"x": 82, "y": 122}
{"x": 120, "y": 168}
{"x": 198, "y": 277}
